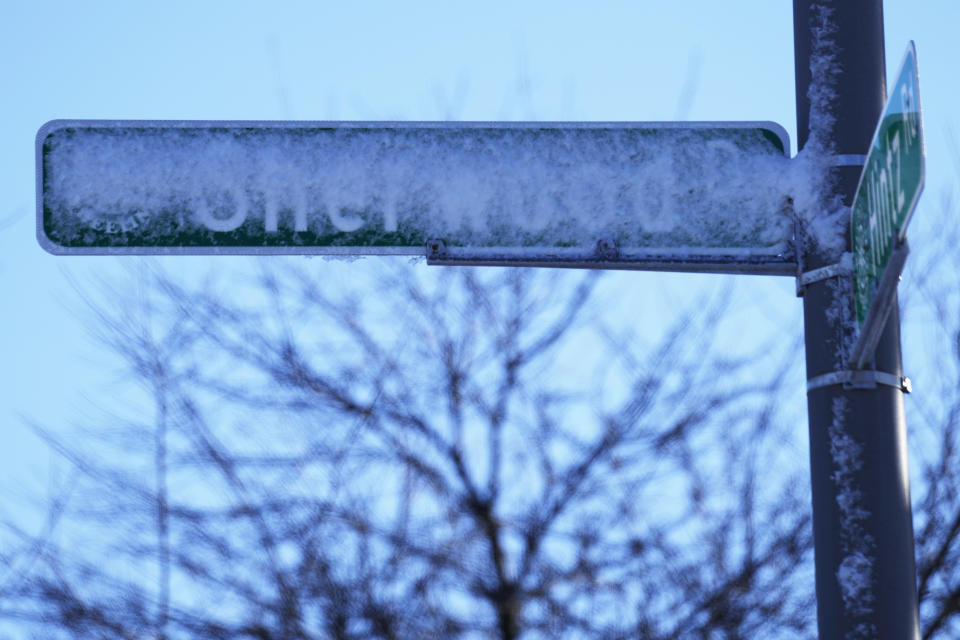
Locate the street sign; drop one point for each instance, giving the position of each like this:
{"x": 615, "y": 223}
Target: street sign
{"x": 689, "y": 196}
{"x": 885, "y": 199}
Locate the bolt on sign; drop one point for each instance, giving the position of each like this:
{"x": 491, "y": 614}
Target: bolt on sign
{"x": 679, "y": 196}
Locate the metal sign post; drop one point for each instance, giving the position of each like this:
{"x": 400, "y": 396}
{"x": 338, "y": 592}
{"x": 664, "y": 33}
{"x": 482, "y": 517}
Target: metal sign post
{"x": 862, "y": 523}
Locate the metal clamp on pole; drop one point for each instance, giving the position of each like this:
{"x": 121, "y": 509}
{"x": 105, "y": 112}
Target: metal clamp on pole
{"x": 849, "y": 160}
{"x": 862, "y": 379}
{"x": 840, "y": 269}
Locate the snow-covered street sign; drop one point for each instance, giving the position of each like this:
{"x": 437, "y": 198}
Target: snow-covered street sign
{"x": 886, "y": 197}
{"x": 683, "y": 196}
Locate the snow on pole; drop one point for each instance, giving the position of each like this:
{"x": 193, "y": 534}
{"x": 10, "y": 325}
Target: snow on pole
{"x": 862, "y": 523}
{"x": 855, "y": 573}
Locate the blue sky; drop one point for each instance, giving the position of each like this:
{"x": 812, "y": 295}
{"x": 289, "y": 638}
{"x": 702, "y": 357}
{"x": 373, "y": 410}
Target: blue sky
{"x": 696, "y": 60}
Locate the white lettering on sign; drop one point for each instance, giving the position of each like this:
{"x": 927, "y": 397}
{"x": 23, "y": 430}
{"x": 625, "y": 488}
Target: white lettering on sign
{"x": 887, "y": 184}
{"x": 274, "y": 209}
{"x": 885, "y": 197}
{"x": 230, "y": 210}
{"x": 911, "y": 113}
{"x": 233, "y": 202}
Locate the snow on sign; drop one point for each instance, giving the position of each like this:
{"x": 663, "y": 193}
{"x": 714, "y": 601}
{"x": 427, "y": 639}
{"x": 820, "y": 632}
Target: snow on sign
{"x": 690, "y": 196}
{"x": 886, "y": 197}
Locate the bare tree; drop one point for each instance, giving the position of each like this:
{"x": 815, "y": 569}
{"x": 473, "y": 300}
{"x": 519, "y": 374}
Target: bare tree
{"x": 931, "y": 294}
{"x": 429, "y": 453}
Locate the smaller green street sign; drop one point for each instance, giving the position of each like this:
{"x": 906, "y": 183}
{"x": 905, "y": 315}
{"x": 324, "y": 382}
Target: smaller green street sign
{"x": 887, "y": 195}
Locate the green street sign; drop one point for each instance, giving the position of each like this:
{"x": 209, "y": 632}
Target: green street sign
{"x": 887, "y": 195}
{"x": 678, "y": 196}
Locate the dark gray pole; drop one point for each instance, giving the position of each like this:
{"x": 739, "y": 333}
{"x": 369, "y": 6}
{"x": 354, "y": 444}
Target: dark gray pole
{"x": 863, "y": 529}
